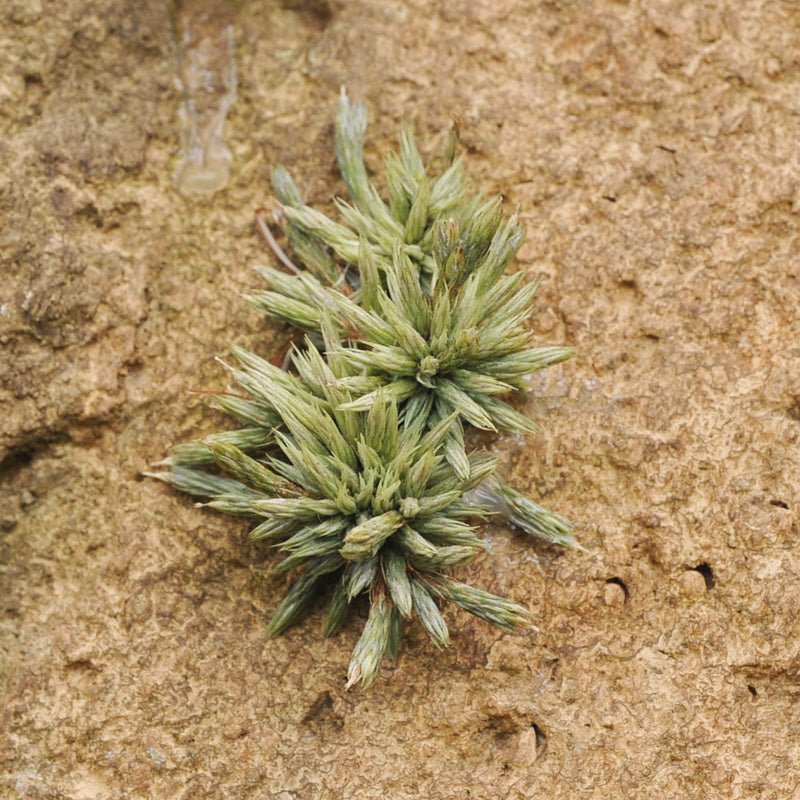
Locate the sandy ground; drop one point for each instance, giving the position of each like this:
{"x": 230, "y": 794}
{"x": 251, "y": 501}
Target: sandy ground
{"x": 652, "y": 148}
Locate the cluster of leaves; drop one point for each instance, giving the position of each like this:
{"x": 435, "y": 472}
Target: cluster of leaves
{"x": 357, "y": 463}
{"x": 367, "y": 495}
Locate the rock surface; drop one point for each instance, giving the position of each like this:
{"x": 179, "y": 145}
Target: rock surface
{"x": 652, "y": 148}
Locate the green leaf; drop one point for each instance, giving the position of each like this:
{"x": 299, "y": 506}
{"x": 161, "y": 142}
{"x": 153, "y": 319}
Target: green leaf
{"x": 250, "y": 471}
{"x": 199, "y": 454}
{"x": 396, "y": 577}
{"x": 338, "y": 609}
{"x": 363, "y": 541}
{"x": 525, "y": 514}
{"x": 299, "y": 508}
{"x": 296, "y": 312}
{"x": 360, "y": 576}
{"x": 499, "y": 611}
{"x": 301, "y": 594}
{"x": 197, "y": 482}
{"x": 395, "y": 635}
{"x": 371, "y": 646}
{"x": 429, "y": 614}
{"x": 418, "y": 215}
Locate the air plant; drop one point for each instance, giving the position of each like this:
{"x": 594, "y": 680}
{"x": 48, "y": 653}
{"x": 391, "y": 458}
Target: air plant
{"x": 356, "y": 462}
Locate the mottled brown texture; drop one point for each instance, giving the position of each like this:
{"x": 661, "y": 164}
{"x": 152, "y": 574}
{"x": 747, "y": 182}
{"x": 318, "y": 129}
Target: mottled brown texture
{"x": 652, "y": 148}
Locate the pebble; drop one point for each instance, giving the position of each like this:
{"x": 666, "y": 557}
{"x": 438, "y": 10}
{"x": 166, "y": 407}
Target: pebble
{"x": 613, "y": 595}
{"x": 693, "y": 584}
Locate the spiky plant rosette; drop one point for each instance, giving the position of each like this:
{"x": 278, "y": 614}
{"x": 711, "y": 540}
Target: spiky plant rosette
{"x": 362, "y": 498}
{"x": 356, "y": 463}
{"x": 418, "y": 289}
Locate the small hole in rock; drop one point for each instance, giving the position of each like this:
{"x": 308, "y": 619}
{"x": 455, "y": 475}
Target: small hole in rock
{"x": 541, "y": 740}
{"x": 619, "y": 582}
{"x": 319, "y": 11}
{"x": 779, "y": 504}
{"x": 91, "y": 215}
{"x": 707, "y": 573}
{"x": 17, "y": 462}
{"x": 752, "y": 690}
{"x": 322, "y": 705}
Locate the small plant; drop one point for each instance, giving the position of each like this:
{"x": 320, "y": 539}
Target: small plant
{"x": 356, "y": 462}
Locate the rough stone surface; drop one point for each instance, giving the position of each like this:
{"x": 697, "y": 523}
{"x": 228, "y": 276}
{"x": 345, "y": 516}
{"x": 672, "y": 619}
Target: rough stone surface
{"x": 652, "y": 148}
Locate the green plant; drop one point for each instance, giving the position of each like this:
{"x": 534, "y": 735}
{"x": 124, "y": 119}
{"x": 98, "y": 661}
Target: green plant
{"x": 357, "y": 462}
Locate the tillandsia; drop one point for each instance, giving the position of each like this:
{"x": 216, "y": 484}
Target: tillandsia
{"x": 355, "y": 459}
